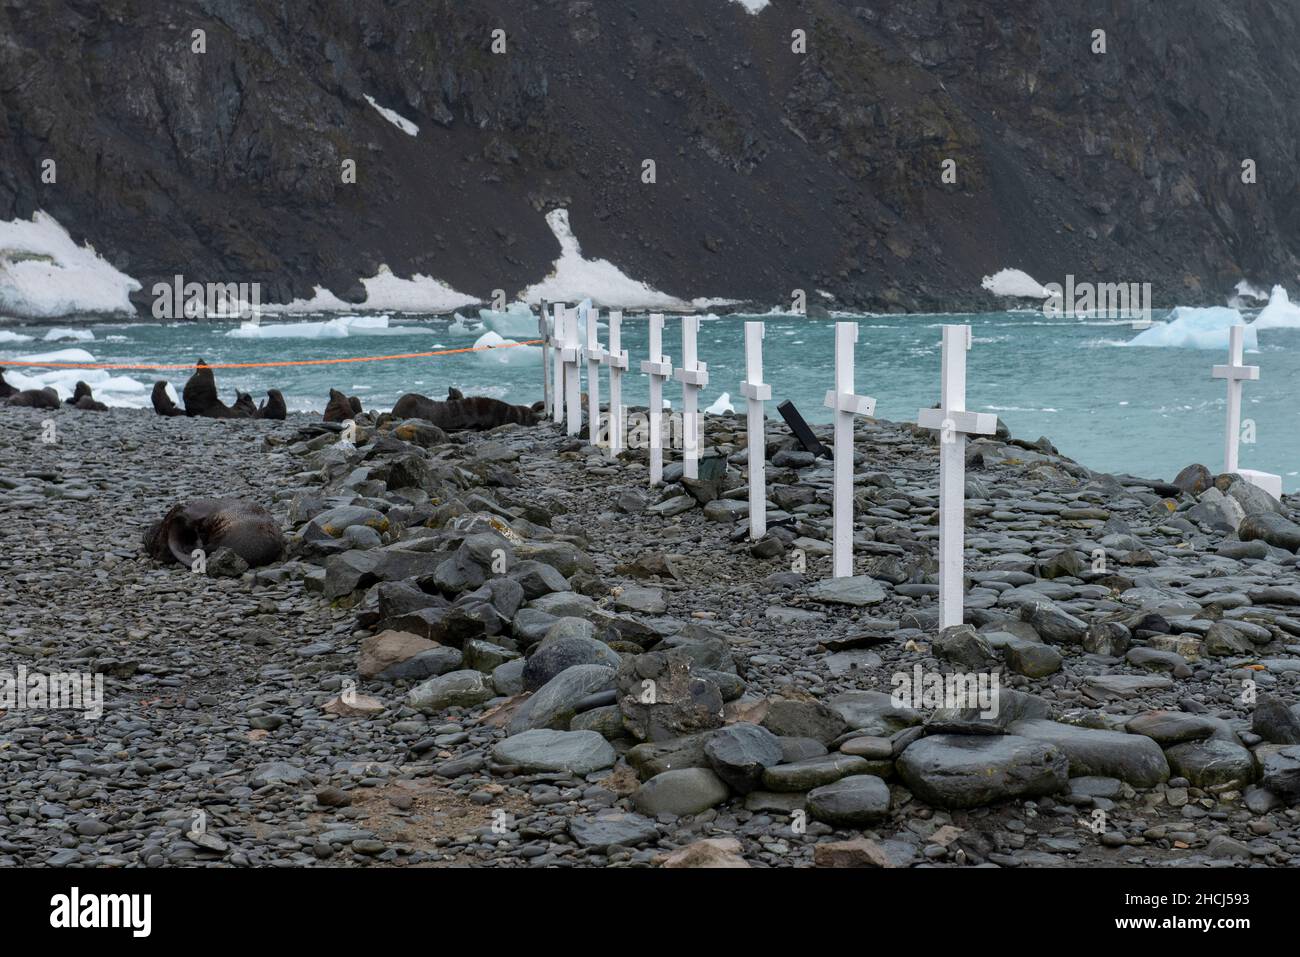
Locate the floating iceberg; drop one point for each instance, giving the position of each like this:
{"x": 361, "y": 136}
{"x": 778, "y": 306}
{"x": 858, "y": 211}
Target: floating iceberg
{"x": 1280, "y": 313}
{"x": 1196, "y": 328}
{"x": 109, "y": 388}
{"x": 722, "y": 406}
{"x": 70, "y": 335}
{"x": 340, "y": 328}
{"x": 7, "y": 336}
{"x": 464, "y": 326}
{"x": 44, "y": 274}
{"x": 513, "y": 355}
{"x": 1014, "y": 282}
{"x": 518, "y": 320}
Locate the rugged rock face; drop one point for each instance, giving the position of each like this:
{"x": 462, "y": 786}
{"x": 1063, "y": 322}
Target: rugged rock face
{"x": 775, "y": 170}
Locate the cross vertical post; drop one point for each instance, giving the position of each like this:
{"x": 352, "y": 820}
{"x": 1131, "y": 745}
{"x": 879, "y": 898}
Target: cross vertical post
{"x": 571, "y": 355}
{"x": 1236, "y": 372}
{"x": 756, "y": 392}
{"x": 594, "y": 356}
{"x": 846, "y": 405}
{"x": 616, "y": 358}
{"x": 557, "y": 367}
{"x": 658, "y": 367}
{"x": 544, "y": 331}
{"x": 953, "y": 424}
{"x": 693, "y": 376}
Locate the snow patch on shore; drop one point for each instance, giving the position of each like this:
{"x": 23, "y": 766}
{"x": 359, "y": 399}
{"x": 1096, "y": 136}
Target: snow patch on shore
{"x": 392, "y": 116}
{"x": 385, "y": 292}
{"x": 1014, "y": 282}
{"x": 753, "y": 6}
{"x": 574, "y": 278}
{"x": 45, "y": 275}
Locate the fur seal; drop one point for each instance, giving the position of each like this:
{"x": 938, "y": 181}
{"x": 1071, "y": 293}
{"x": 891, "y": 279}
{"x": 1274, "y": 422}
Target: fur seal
{"x": 341, "y": 407}
{"x": 476, "y": 413}
{"x": 84, "y": 399}
{"x": 243, "y": 407}
{"x": 45, "y": 398}
{"x": 162, "y": 402}
{"x": 273, "y": 407}
{"x": 201, "y": 399}
{"x": 212, "y": 523}
{"x": 6, "y": 390}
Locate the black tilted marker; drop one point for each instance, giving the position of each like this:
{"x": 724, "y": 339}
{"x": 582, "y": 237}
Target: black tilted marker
{"x": 801, "y": 430}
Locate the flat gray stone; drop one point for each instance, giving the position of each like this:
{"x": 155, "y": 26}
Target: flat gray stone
{"x": 963, "y": 771}
{"x": 1134, "y": 758}
{"x": 542, "y": 749}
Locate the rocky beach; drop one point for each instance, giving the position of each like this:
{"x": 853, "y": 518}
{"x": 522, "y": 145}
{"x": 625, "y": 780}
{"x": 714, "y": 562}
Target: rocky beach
{"x": 503, "y": 649}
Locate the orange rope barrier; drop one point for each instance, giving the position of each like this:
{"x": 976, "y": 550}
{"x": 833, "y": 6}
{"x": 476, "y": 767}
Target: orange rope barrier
{"x": 6, "y": 363}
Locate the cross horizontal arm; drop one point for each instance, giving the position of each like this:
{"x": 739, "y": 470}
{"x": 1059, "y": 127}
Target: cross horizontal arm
{"x": 847, "y": 402}
{"x": 663, "y": 369}
{"x": 760, "y": 391}
{"x": 969, "y": 423}
{"x": 1235, "y": 372}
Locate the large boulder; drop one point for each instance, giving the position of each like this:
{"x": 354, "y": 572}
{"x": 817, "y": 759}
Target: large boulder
{"x": 1272, "y": 528}
{"x": 1093, "y": 752}
{"x": 543, "y": 749}
{"x": 963, "y": 771}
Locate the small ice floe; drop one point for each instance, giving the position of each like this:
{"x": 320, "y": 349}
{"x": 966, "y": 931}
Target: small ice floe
{"x": 1280, "y": 313}
{"x": 721, "y": 406}
{"x": 340, "y": 328}
{"x": 61, "y": 334}
{"x": 7, "y": 336}
{"x": 512, "y": 355}
{"x": 392, "y": 116}
{"x": 1014, "y": 283}
{"x": 44, "y": 274}
{"x": 517, "y": 320}
{"x": 109, "y": 388}
{"x": 1192, "y": 327}
{"x": 463, "y": 326}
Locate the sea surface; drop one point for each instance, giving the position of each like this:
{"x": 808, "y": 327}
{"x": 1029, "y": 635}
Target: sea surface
{"x": 1109, "y": 405}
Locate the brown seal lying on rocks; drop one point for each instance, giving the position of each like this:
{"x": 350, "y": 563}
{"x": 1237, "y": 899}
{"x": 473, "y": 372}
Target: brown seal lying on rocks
{"x": 273, "y": 407}
{"x": 476, "y": 413}
{"x": 6, "y": 390}
{"x": 341, "y": 407}
{"x": 243, "y": 407}
{"x": 248, "y": 530}
{"x": 45, "y": 398}
{"x": 162, "y": 402}
{"x": 83, "y": 398}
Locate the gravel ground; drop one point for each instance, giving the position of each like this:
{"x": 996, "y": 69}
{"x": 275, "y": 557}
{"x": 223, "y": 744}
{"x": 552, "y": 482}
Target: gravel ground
{"x": 224, "y": 740}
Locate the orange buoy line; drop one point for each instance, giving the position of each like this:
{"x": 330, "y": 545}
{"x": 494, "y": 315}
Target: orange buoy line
{"x": 6, "y": 363}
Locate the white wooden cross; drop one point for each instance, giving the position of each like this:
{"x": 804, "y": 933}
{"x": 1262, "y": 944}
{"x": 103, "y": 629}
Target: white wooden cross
{"x": 1236, "y": 372}
{"x": 846, "y": 405}
{"x": 756, "y": 392}
{"x": 570, "y": 354}
{"x": 693, "y": 375}
{"x": 594, "y": 356}
{"x": 616, "y": 358}
{"x": 953, "y": 424}
{"x": 658, "y": 367}
{"x": 547, "y": 335}
{"x": 557, "y": 367}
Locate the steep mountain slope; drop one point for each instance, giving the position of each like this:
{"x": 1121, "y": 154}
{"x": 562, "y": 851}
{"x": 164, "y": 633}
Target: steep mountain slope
{"x": 775, "y": 169}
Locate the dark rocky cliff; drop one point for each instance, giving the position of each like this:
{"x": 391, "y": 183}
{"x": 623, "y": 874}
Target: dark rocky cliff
{"x": 776, "y": 170}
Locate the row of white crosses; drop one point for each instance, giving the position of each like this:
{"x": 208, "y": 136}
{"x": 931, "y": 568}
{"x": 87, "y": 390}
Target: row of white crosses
{"x": 951, "y": 420}
{"x": 1236, "y": 372}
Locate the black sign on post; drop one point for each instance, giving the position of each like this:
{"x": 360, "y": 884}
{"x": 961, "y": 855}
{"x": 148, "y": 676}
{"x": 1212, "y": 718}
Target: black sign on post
{"x": 801, "y": 430}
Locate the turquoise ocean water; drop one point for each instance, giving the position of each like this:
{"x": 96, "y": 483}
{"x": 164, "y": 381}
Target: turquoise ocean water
{"x": 1114, "y": 407}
